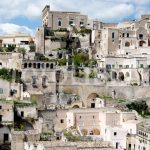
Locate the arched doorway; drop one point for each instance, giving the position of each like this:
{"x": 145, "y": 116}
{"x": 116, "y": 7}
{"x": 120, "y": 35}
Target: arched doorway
{"x": 141, "y": 43}
{"x": 121, "y": 76}
{"x": 114, "y": 75}
{"x": 127, "y": 44}
{"x": 91, "y": 100}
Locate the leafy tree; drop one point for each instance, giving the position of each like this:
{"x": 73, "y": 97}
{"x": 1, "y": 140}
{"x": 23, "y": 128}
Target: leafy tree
{"x": 92, "y": 74}
{"x": 1, "y": 49}
{"x": 32, "y": 48}
{"x": 81, "y": 58}
{"x": 10, "y": 48}
{"x": 141, "y": 107}
{"x": 22, "y": 50}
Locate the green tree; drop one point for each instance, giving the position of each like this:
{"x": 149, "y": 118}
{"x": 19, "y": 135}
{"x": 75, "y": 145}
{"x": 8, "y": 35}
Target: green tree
{"x": 22, "y": 50}
{"x": 32, "y": 48}
{"x": 81, "y": 58}
{"x": 10, "y": 48}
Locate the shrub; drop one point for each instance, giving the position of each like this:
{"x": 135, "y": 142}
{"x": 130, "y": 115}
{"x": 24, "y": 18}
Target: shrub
{"x": 81, "y": 58}
{"x": 92, "y": 74}
{"x": 62, "y": 62}
{"x": 141, "y": 107}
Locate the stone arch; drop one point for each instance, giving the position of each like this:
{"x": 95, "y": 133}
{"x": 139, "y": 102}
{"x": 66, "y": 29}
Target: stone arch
{"x": 114, "y": 75}
{"x": 121, "y": 76}
{"x": 127, "y": 44}
{"x": 38, "y": 65}
{"x": 47, "y": 65}
{"x": 127, "y": 74}
{"x": 76, "y": 106}
{"x": 51, "y": 65}
{"x": 34, "y": 65}
{"x": 84, "y": 132}
{"x": 30, "y": 65}
{"x": 25, "y": 65}
{"x": 141, "y": 43}
{"x": 96, "y": 131}
{"x": 43, "y": 65}
{"x": 91, "y": 100}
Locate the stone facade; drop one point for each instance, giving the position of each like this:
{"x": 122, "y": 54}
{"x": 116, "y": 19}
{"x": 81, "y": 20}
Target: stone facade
{"x": 56, "y": 19}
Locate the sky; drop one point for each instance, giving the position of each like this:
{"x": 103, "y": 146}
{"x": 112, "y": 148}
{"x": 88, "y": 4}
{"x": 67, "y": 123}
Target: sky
{"x": 25, "y": 15}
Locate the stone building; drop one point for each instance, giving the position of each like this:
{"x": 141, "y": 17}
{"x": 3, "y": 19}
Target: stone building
{"x": 6, "y": 112}
{"x": 57, "y": 19}
{"x": 6, "y": 123}
{"x": 19, "y": 40}
{"x": 141, "y": 141}
{"x": 39, "y": 80}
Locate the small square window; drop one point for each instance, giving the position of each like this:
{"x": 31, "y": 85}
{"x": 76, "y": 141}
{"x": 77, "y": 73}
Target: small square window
{"x": 62, "y": 121}
{"x": 115, "y": 133}
{"x": 0, "y": 107}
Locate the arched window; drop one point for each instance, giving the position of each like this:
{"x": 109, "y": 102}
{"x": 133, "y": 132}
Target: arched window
{"x": 47, "y": 65}
{"x": 141, "y": 43}
{"x": 34, "y": 65}
{"x": 43, "y": 65}
{"x": 127, "y": 74}
{"x": 127, "y": 44}
{"x": 51, "y": 66}
{"x": 38, "y": 65}
{"x": 121, "y": 76}
{"x": 25, "y": 65}
{"x": 30, "y": 65}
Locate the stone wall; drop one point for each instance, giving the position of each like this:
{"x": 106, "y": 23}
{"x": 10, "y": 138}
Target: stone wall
{"x": 67, "y": 146}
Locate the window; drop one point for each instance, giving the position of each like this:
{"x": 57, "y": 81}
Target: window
{"x": 120, "y": 66}
{"x": 30, "y": 65}
{"x": 141, "y": 65}
{"x": 115, "y": 133}
{"x": 62, "y": 121}
{"x": 113, "y": 66}
{"x": 141, "y": 36}
{"x": 127, "y": 44}
{"x": 92, "y": 105}
{"x": 44, "y": 81}
{"x": 25, "y": 65}
{"x": 117, "y": 145}
{"x": 34, "y": 82}
{"x": 6, "y": 137}
{"x": 59, "y": 22}
{"x": 123, "y": 35}
{"x": 127, "y": 34}
{"x": 127, "y": 66}
{"x": 82, "y": 23}
{"x": 80, "y": 117}
{"x": 22, "y": 113}
{"x": 71, "y": 21}
{"x": 129, "y": 146}
{"x": 47, "y": 65}
{"x": 51, "y": 66}
{"x": 108, "y": 66}
{"x": 1, "y": 118}
{"x": 0, "y": 107}
{"x": 113, "y": 35}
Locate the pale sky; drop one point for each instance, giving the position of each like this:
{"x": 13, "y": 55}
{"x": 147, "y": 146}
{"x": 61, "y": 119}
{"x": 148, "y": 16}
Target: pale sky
{"x": 25, "y": 15}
